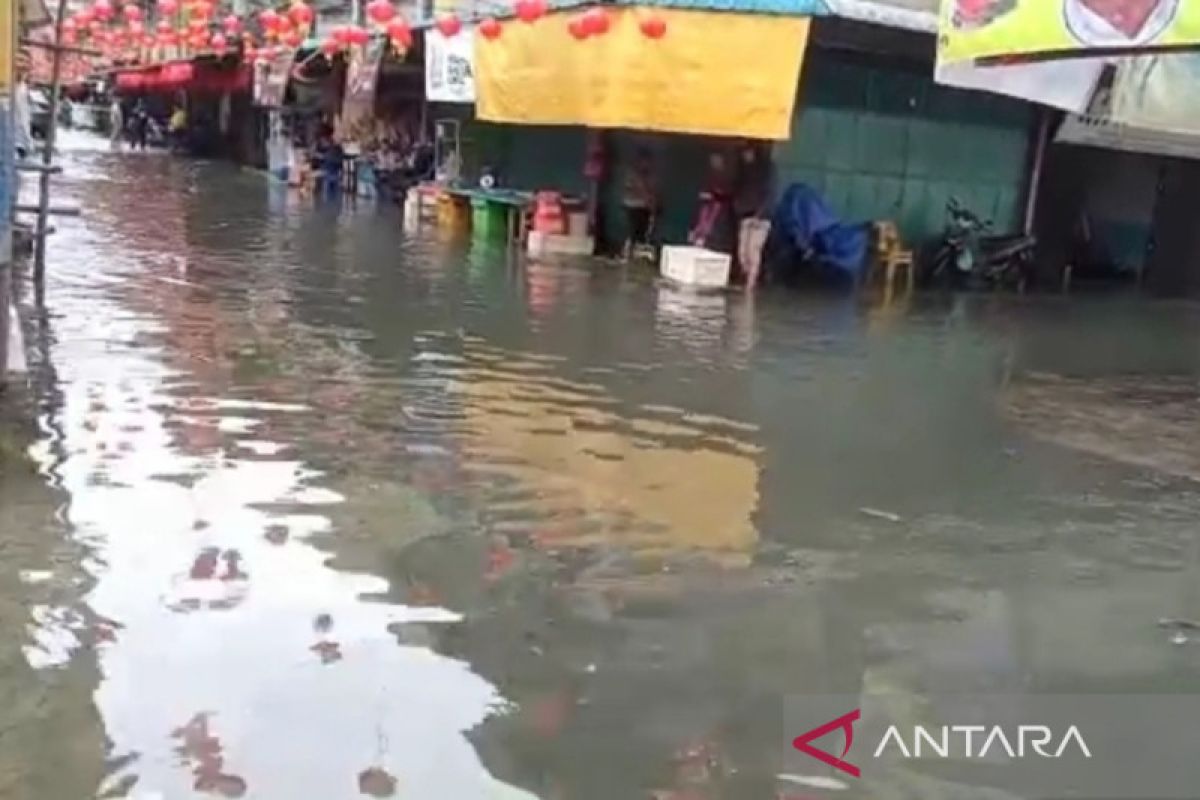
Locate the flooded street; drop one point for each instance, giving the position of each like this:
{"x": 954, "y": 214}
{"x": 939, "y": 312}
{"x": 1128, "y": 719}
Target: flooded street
{"x": 315, "y": 509}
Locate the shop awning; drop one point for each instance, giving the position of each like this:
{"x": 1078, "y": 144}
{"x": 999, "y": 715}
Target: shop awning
{"x": 188, "y": 75}
{"x": 693, "y": 80}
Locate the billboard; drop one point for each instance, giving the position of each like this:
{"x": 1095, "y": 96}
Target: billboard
{"x": 970, "y": 29}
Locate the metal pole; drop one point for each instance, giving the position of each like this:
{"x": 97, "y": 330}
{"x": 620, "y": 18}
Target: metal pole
{"x": 1035, "y": 169}
{"x": 39, "y": 242}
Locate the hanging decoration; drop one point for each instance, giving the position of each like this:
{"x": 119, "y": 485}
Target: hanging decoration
{"x": 595, "y": 21}
{"x": 219, "y": 43}
{"x": 399, "y": 34}
{"x": 490, "y": 28}
{"x": 301, "y": 14}
{"x": 293, "y": 38}
{"x": 268, "y": 20}
{"x": 102, "y": 10}
{"x": 167, "y": 8}
{"x": 449, "y": 25}
{"x": 578, "y": 29}
{"x": 232, "y": 25}
{"x": 357, "y": 36}
{"x": 653, "y": 26}
{"x": 530, "y": 11}
{"x": 132, "y": 13}
{"x": 381, "y": 12}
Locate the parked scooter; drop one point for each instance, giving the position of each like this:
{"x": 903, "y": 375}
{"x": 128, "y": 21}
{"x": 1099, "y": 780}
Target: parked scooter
{"x": 966, "y": 258}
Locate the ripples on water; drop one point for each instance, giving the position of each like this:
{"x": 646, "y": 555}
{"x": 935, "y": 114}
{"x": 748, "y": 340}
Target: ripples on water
{"x": 343, "y": 512}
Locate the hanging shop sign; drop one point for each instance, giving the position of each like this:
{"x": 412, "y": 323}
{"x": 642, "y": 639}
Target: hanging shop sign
{"x": 990, "y": 28}
{"x": 692, "y": 80}
{"x": 450, "y": 66}
{"x": 362, "y": 78}
{"x": 271, "y": 77}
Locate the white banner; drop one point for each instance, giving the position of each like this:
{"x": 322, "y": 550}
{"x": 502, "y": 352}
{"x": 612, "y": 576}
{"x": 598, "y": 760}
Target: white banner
{"x": 1103, "y": 132}
{"x": 450, "y": 66}
{"x": 1067, "y": 84}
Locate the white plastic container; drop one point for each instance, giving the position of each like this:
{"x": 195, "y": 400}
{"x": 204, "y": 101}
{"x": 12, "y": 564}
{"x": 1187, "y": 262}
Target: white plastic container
{"x": 695, "y": 266}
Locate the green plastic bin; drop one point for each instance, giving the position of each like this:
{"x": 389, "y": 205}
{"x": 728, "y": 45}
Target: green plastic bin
{"x": 487, "y": 219}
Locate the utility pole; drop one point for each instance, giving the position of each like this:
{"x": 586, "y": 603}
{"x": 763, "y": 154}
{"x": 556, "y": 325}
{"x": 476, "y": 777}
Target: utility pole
{"x": 39, "y": 242}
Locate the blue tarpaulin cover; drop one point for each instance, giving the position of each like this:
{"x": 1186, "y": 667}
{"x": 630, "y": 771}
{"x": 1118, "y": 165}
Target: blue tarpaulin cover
{"x": 809, "y": 227}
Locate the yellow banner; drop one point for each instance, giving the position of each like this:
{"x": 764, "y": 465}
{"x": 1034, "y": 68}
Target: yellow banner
{"x": 8, "y": 43}
{"x": 711, "y": 73}
{"x": 987, "y": 28}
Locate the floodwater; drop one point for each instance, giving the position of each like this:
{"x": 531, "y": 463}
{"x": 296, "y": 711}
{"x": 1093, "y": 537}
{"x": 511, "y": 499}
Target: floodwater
{"x": 315, "y": 509}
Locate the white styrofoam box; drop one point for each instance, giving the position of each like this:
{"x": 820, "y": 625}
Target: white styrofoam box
{"x": 695, "y": 266}
{"x": 558, "y": 244}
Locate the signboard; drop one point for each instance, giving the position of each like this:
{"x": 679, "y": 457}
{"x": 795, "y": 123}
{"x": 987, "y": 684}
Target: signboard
{"x": 362, "y": 77}
{"x": 987, "y": 28}
{"x": 271, "y": 77}
{"x": 450, "y": 66}
{"x": 8, "y": 42}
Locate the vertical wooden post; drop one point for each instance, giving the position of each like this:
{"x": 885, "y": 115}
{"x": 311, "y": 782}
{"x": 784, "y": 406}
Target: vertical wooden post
{"x": 39, "y": 242}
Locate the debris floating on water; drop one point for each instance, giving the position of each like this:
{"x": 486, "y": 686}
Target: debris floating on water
{"x": 1179, "y": 624}
{"x": 887, "y": 516}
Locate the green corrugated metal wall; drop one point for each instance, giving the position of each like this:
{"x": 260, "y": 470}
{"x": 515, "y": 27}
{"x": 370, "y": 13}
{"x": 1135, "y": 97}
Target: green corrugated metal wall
{"x": 883, "y": 143}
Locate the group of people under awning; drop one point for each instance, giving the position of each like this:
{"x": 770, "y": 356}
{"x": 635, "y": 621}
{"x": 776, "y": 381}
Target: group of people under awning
{"x": 733, "y": 212}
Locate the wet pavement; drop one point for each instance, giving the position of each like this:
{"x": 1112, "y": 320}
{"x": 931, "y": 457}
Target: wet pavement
{"x": 315, "y": 509}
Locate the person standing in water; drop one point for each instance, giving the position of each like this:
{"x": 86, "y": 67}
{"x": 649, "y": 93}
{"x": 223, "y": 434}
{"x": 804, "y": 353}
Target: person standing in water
{"x": 640, "y": 201}
{"x": 751, "y": 207}
{"x": 116, "y": 123}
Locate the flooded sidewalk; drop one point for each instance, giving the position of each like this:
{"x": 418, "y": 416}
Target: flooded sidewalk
{"x": 317, "y": 509}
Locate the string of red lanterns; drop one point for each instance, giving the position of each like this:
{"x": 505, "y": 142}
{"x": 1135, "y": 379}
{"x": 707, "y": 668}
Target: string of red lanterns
{"x": 290, "y": 27}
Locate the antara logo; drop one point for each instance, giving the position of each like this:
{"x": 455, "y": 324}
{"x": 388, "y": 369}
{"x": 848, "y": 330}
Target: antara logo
{"x": 946, "y": 741}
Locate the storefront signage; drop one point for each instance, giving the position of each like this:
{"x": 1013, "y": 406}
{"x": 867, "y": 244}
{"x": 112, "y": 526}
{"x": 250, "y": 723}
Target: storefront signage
{"x": 271, "y": 78}
{"x": 362, "y": 78}
{"x": 988, "y": 28}
{"x": 450, "y": 66}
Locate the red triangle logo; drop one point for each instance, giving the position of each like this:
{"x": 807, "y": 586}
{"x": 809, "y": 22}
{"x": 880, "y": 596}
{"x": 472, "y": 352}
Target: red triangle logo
{"x": 845, "y": 723}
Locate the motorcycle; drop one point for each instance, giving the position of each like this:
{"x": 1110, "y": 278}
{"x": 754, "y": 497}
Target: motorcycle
{"x": 966, "y": 257}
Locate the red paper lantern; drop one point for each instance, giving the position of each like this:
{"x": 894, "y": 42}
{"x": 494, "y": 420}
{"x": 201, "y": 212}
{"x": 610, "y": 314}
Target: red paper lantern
{"x": 202, "y": 9}
{"x": 330, "y": 48}
{"x": 381, "y": 11}
{"x": 595, "y": 21}
{"x": 293, "y": 38}
{"x": 136, "y": 28}
{"x": 132, "y": 12}
{"x": 357, "y": 35}
{"x": 653, "y": 27}
{"x": 449, "y": 25}
{"x": 168, "y": 7}
{"x": 530, "y": 10}
{"x": 301, "y": 13}
{"x": 578, "y": 29}
{"x": 490, "y": 28}
{"x": 102, "y": 9}
{"x": 400, "y": 34}
{"x": 269, "y": 20}
{"x": 232, "y": 24}
{"x": 219, "y": 43}
{"x": 197, "y": 24}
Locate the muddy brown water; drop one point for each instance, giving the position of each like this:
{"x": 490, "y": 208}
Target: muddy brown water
{"x": 311, "y": 508}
